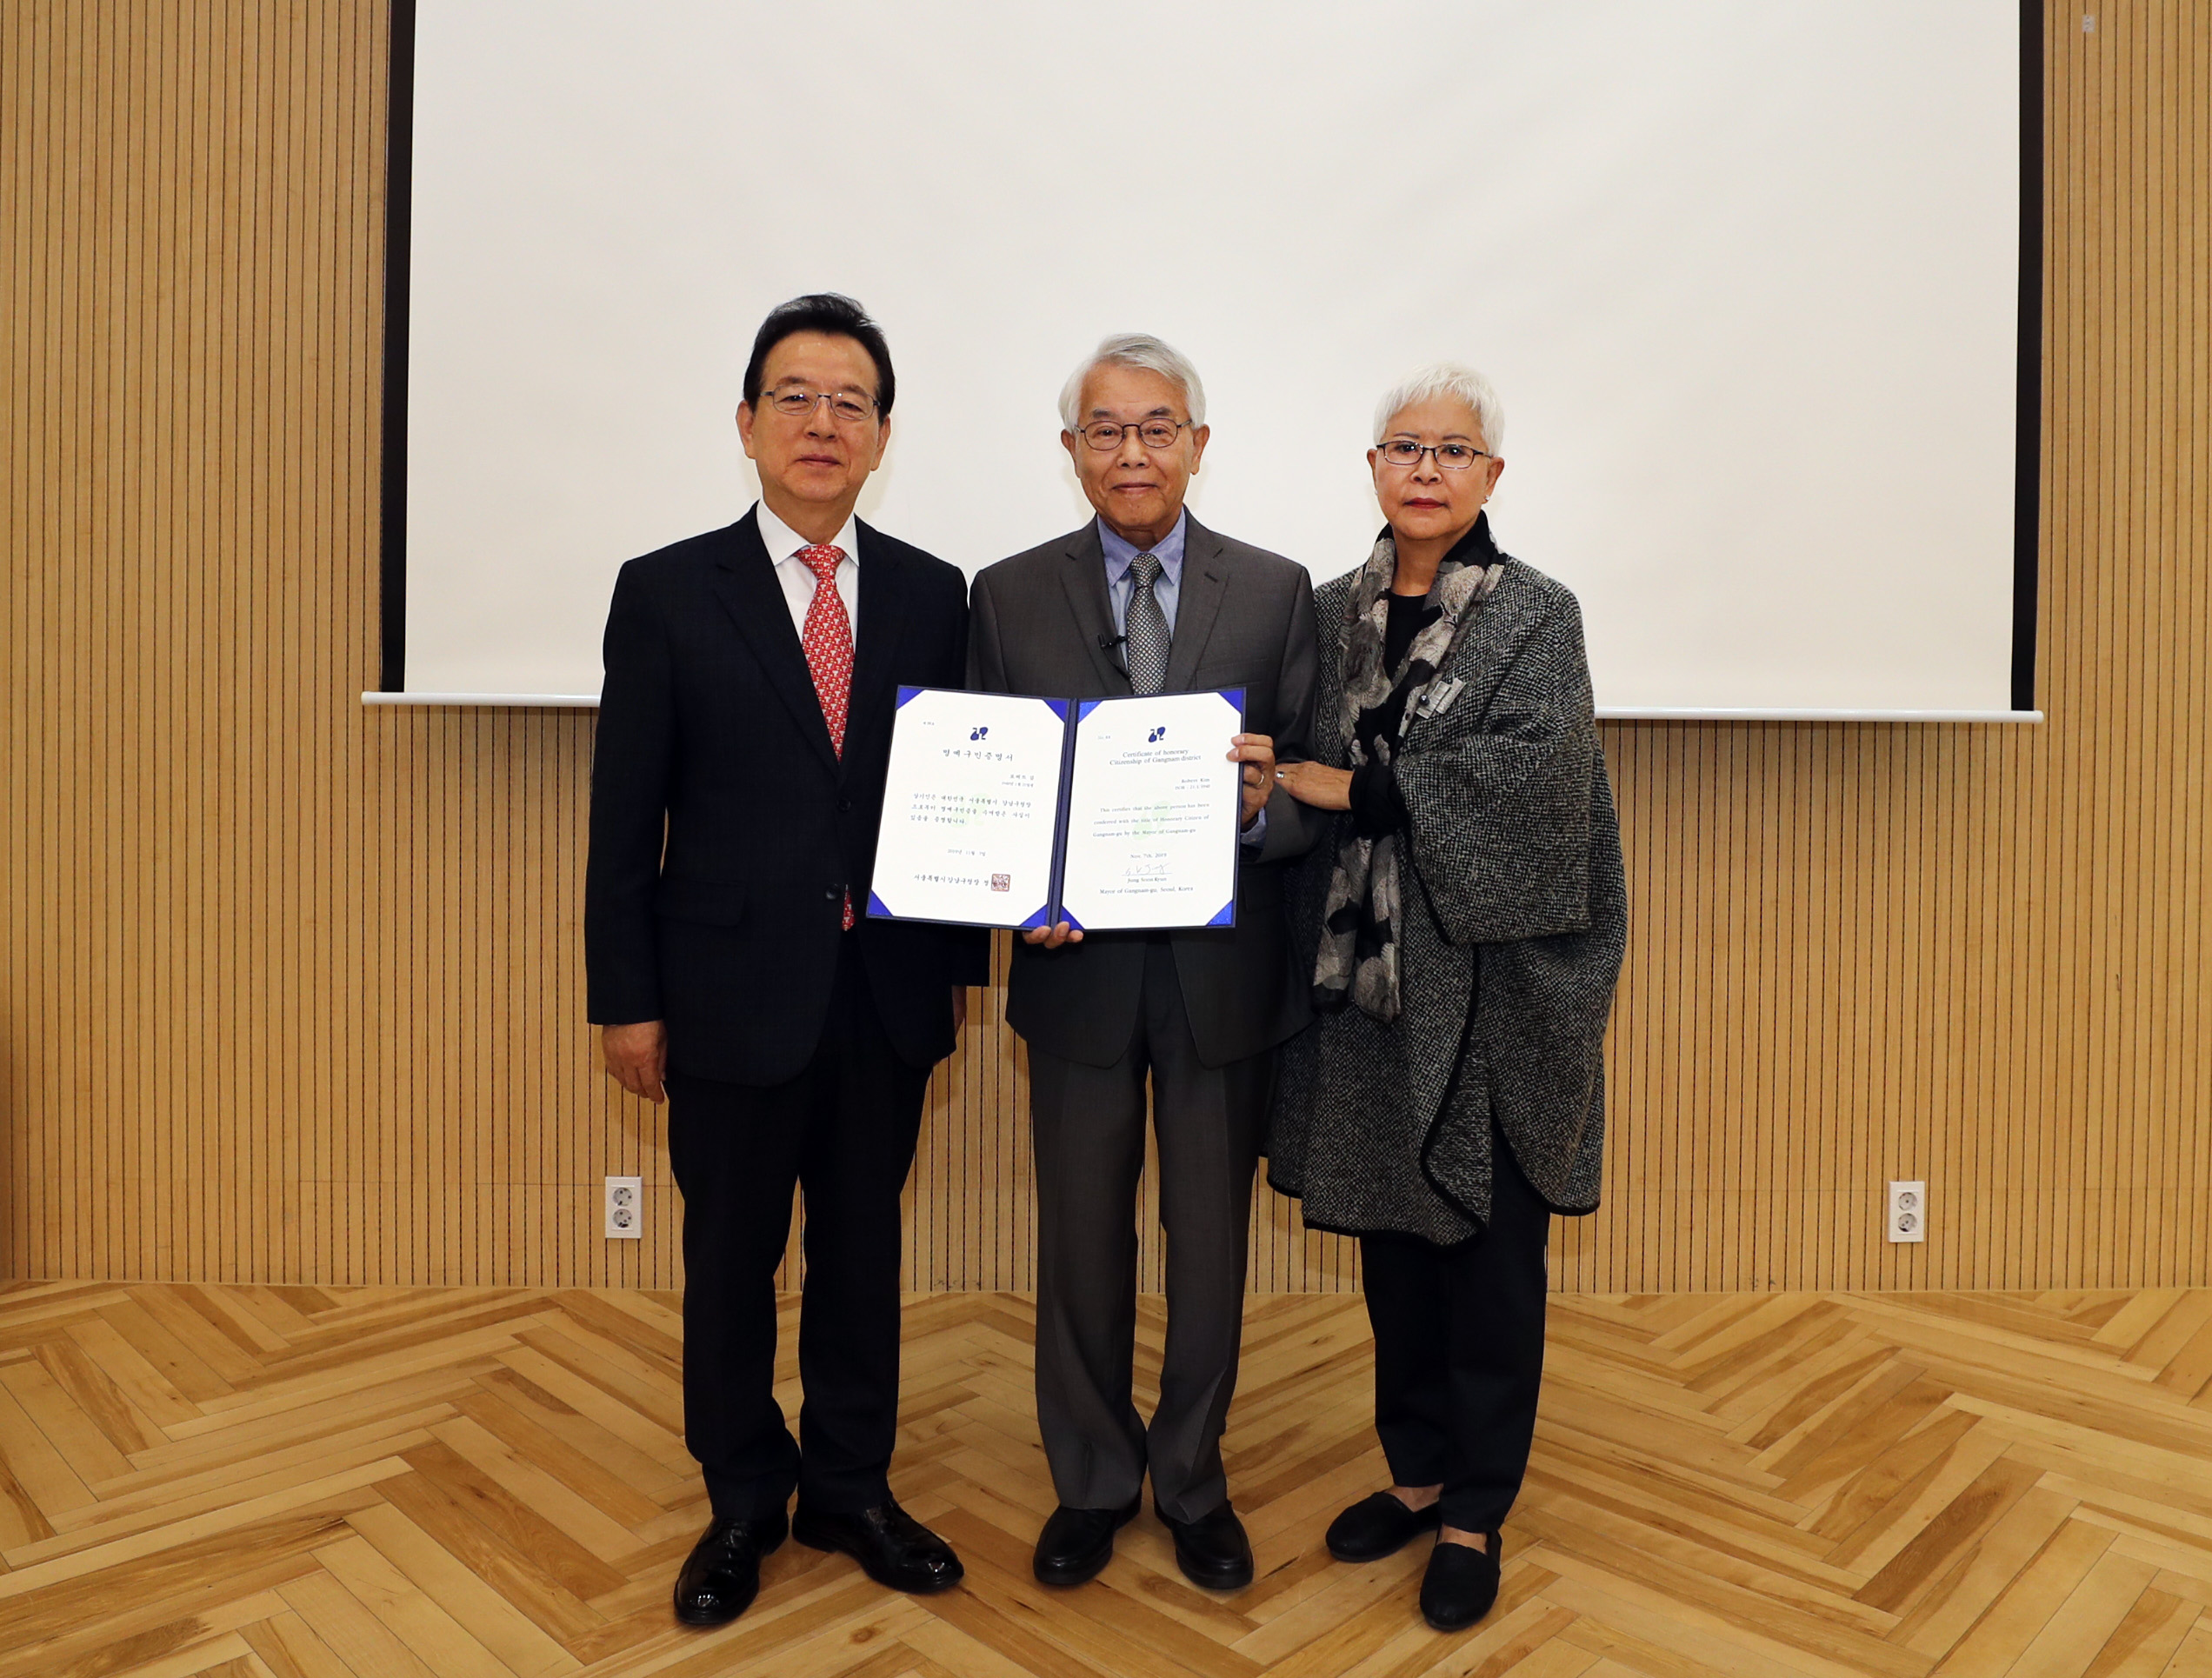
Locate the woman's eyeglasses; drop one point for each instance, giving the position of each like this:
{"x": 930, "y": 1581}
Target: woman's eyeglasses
{"x": 1452, "y": 457}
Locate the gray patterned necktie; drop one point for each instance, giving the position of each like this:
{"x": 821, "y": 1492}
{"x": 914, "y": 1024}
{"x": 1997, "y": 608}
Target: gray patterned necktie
{"x": 1147, "y": 629}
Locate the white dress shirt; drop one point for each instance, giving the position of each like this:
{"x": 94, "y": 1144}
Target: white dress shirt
{"x": 783, "y": 544}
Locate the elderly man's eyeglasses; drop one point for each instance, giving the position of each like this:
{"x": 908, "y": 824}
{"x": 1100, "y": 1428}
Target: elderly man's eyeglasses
{"x": 1102, "y": 434}
{"x": 799, "y": 403}
{"x": 1452, "y": 457}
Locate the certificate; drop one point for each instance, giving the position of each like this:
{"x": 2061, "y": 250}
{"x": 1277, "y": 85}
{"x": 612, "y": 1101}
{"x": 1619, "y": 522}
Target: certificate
{"x": 971, "y": 808}
{"x": 1154, "y": 805}
{"x": 1009, "y": 811}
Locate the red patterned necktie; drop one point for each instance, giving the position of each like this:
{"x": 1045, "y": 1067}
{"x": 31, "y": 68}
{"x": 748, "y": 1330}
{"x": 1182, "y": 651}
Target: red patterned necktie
{"x": 827, "y": 640}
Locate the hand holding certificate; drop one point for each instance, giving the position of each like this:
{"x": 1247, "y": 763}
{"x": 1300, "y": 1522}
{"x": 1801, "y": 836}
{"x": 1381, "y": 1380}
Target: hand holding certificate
{"x": 1000, "y": 810}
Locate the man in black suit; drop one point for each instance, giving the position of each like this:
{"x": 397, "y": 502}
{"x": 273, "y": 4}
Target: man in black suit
{"x": 1145, "y": 599}
{"x": 744, "y": 727}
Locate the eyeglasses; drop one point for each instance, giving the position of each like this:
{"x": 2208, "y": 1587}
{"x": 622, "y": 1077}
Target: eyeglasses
{"x": 1102, "y": 434}
{"x": 1452, "y": 457}
{"x": 799, "y": 403}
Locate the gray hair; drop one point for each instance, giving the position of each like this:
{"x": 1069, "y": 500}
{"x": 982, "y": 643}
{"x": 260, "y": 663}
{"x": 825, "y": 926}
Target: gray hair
{"x": 1447, "y": 378}
{"x": 1134, "y": 349}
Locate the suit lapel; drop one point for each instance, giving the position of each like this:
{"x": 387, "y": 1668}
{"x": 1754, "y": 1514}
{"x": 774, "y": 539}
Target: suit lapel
{"x": 745, "y": 583}
{"x": 882, "y": 619}
{"x": 1198, "y": 599}
{"x": 1084, "y": 576}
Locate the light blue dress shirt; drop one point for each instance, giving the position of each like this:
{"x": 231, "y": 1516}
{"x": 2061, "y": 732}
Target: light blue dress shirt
{"x": 1167, "y": 589}
{"x": 1120, "y": 585}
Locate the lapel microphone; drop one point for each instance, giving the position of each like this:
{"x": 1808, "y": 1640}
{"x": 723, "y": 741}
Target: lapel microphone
{"x": 1107, "y": 643}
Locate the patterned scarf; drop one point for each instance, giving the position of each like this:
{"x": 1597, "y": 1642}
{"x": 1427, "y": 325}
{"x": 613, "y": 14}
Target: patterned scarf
{"x": 1358, "y": 958}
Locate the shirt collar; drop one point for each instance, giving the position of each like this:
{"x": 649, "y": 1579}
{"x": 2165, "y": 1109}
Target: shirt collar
{"x": 1169, "y": 552}
{"x": 781, "y": 541}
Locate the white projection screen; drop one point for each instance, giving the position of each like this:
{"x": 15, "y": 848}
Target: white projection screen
{"x": 1748, "y": 277}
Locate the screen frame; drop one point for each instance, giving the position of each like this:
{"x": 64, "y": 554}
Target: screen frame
{"x": 399, "y": 158}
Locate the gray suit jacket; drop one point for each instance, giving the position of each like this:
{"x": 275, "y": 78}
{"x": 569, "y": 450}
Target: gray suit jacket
{"x": 1245, "y": 618}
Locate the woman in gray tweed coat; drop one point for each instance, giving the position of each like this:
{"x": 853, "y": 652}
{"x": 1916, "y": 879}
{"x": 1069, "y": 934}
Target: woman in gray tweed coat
{"x": 1468, "y": 920}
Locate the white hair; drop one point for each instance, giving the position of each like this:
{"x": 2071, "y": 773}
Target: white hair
{"x": 1447, "y": 378}
{"x": 1134, "y": 349}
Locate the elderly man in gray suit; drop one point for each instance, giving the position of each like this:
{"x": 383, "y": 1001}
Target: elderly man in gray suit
{"x": 1145, "y": 599}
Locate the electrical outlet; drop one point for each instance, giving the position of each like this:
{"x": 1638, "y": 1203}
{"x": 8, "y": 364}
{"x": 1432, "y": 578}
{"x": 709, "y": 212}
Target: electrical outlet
{"x": 1909, "y": 1211}
{"x": 625, "y": 1208}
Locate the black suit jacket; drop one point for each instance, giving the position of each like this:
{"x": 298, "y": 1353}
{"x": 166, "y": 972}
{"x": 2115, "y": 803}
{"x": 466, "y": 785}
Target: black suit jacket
{"x": 725, "y": 830}
{"x": 1245, "y": 618}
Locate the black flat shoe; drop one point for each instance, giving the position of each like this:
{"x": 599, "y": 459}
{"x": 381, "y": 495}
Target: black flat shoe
{"x": 1212, "y": 1550}
{"x": 721, "y": 1575}
{"x": 1379, "y": 1525}
{"x": 892, "y": 1547}
{"x": 1461, "y": 1584}
{"x": 1077, "y": 1544}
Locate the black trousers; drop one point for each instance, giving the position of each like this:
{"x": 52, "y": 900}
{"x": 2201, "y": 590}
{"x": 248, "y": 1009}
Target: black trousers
{"x": 1459, "y": 1351}
{"x": 1090, "y": 1130}
{"x": 844, "y": 1131}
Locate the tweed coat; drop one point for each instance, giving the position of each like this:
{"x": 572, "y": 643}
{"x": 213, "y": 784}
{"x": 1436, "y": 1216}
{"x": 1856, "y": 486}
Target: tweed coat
{"x": 1515, "y": 920}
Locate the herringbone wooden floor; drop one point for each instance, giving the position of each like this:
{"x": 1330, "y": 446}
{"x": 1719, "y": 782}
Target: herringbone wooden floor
{"x": 315, "y": 1483}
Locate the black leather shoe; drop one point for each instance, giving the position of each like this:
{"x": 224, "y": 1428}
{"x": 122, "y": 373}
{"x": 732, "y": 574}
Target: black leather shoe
{"x": 1212, "y": 1550}
{"x": 892, "y": 1547}
{"x": 721, "y": 1575}
{"x": 1379, "y": 1525}
{"x": 1077, "y": 1544}
{"x": 1461, "y": 1584}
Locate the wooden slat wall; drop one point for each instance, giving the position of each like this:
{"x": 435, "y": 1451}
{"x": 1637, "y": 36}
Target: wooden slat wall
{"x": 289, "y": 988}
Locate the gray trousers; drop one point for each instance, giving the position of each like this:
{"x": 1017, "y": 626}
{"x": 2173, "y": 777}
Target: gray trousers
{"x": 1090, "y": 1130}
